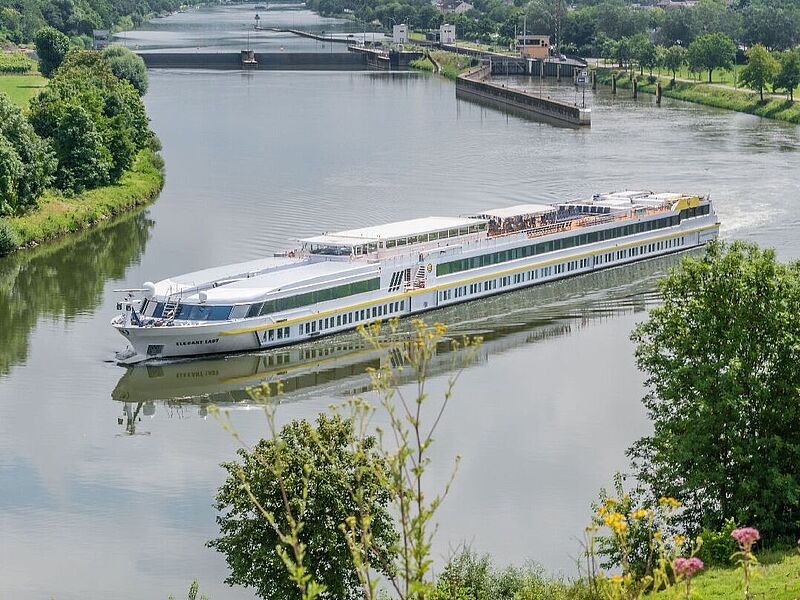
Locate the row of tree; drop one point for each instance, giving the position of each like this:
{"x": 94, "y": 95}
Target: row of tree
{"x": 20, "y": 19}
{"x": 83, "y": 131}
{"x": 586, "y": 25}
{"x": 778, "y": 69}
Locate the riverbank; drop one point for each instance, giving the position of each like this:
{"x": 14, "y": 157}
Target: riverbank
{"x": 57, "y": 215}
{"x": 710, "y": 95}
{"x": 451, "y": 65}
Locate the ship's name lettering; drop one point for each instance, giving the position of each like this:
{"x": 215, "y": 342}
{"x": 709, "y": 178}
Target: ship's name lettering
{"x": 193, "y": 342}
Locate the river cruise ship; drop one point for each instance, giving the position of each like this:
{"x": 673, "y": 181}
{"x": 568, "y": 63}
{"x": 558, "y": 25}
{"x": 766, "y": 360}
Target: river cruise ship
{"x": 338, "y": 281}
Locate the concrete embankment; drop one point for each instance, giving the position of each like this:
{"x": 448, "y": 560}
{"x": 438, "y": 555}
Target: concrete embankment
{"x": 277, "y": 61}
{"x": 474, "y": 84}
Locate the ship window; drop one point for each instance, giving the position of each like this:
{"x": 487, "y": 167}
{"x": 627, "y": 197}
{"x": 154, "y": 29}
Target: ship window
{"x": 271, "y": 335}
{"x": 391, "y": 243}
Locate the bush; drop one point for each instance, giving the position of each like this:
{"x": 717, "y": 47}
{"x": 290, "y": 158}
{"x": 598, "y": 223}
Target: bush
{"x": 718, "y": 545}
{"x": 723, "y": 370}
{"x": 468, "y": 576}
{"x": 128, "y": 66}
{"x": 9, "y": 241}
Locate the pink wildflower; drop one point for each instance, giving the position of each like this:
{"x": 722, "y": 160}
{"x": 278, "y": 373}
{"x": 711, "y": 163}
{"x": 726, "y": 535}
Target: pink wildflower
{"x": 746, "y": 536}
{"x": 687, "y": 567}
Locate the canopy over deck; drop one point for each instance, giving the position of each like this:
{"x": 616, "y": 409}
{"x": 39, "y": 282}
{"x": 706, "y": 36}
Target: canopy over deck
{"x": 518, "y": 211}
{"x": 397, "y": 230}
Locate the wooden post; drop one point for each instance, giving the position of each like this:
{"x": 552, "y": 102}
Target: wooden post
{"x": 614, "y": 84}
{"x": 541, "y": 69}
{"x": 594, "y": 81}
{"x": 658, "y": 93}
{"x": 558, "y": 72}
{"x": 635, "y": 83}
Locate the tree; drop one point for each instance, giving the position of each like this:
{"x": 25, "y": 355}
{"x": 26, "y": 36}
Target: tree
{"x": 760, "y": 70}
{"x": 27, "y": 162}
{"x": 712, "y": 51}
{"x": 84, "y": 162}
{"x": 788, "y": 77}
{"x": 722, "y": 366}
{"x": 51, "y": 48}
{"x": 674, "y": 58}
{"x": 128, "y": 66}
{"x": 325, "y": 464}
{"x": 644, "y": 52}
{"x": 117, "y": 121}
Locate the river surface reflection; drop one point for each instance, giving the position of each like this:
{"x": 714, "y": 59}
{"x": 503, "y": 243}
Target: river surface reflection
{"x": 541, "y": 419}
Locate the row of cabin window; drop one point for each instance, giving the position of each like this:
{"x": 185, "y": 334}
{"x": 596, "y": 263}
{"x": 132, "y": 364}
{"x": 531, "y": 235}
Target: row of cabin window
{"x": 365, "y": 314}
{"x": 697, "y": 211}
{"x": 333, "y": 293}
{"x": 436, "y": 235}
{"x": 465, "y": 264}
{"x": 280, "y": 333}
{"x": 560, "y": 268}
{"x": 208, "y": 312}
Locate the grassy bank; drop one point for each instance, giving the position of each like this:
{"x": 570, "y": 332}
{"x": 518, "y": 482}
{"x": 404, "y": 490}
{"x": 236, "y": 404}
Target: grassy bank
{"x": 778, "y": 579}
{"x": 57, "y": 215}
{"x": 452, "y": 65}
{"x": 710, "y": 95}
{"x": 21, "y": 88}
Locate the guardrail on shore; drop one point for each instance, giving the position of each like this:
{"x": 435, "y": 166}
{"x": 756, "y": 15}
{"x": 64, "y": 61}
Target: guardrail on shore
{"x": 474, "y": 83}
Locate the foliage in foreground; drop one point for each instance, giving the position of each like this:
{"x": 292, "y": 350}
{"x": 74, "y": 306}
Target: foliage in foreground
{"x": 315, "y": 468}
{"x": 469, "y": 576}
{"x": 398, "y": 468}
{"x": 723, "y": 368}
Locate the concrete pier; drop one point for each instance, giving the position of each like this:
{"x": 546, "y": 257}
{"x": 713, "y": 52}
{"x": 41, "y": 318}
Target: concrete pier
{"x": 475, "y": 84}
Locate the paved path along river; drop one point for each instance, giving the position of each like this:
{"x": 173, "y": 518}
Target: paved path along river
{"x": 107, "y": 476}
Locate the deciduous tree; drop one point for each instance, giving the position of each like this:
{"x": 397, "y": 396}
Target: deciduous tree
{"x": 674, "y": 59}
{"x": 788, "y": 77}
{"x": 722, "y": 361}
{"x": 712, "y": 51}
{"x": 760, "y": 70}
{"x": 317, "y": 470}
{"x": 51, "y": 48}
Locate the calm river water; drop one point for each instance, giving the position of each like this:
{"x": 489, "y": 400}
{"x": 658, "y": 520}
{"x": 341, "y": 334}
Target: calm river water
{"x": 107, "y": 475}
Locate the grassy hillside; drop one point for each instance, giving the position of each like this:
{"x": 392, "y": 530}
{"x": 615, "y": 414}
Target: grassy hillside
{"x": 21, "y": 88}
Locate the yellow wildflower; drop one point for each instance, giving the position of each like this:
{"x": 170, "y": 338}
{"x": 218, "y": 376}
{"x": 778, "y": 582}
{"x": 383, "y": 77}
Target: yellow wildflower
{"x": 669, "y": 501}
{"x": 640, "y": 514}
{"x": 679, "y": 540}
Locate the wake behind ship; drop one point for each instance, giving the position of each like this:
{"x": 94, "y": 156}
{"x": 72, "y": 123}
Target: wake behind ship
{"x": 337, "y": 281}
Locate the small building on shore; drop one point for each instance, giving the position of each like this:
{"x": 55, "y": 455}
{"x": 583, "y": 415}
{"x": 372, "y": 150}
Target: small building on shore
{"x": 447, "y": 34}
{"x": 533, "y": 46}
{"x": 400, "y": 34}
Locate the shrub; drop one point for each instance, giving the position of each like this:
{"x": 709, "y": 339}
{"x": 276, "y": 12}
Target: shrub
{"x": 128, "y": 66}
{"x": 718, "y": 545}
{"x": 9, "y": 241}
{"x": 51, "y": 48}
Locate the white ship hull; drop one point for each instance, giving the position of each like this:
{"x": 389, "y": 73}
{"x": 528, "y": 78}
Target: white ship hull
{"x": 407, "y": 283}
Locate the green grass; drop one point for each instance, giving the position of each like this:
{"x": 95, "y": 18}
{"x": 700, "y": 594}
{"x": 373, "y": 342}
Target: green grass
{"x": 778, "y": 579}
{"x": 57, "y": 215}
{"x": 452, "y": 64}
{"x": 710, "y": 95}
{"x": 21, "y": 88}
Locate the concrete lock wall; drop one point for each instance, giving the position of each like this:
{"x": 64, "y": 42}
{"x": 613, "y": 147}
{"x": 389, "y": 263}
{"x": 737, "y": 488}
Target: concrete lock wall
{"x": 473, "y": 83}
{"x": 310, "y": 61}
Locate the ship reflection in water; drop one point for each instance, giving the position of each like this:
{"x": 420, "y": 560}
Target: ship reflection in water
{"x": 337, "y": 366}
